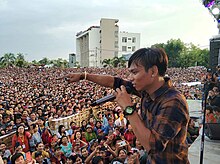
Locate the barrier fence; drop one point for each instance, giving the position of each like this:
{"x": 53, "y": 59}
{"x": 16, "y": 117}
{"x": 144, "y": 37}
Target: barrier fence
{"x": 54, "y": 123}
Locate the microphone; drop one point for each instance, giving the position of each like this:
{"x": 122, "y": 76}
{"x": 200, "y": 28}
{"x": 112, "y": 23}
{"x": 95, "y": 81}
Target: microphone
{"x": 109, "y": 97}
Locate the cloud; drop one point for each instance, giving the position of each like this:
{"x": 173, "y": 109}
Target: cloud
{"x": 42, "y": 28}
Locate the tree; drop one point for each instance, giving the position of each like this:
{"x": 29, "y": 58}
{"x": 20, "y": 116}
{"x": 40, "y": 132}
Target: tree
{"x": 106, "y": 63}
{"x": 44, "y": 61}
{"x": 118, "y": 62}
{"x": 173, "y": 49}
{"x": 60, "y": 63}
{"x": 7, "y": 60}
{"x": 20, "y": 60}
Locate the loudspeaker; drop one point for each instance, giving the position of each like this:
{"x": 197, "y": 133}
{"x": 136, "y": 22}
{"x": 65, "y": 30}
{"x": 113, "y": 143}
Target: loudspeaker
{"x": 214, "y": 53}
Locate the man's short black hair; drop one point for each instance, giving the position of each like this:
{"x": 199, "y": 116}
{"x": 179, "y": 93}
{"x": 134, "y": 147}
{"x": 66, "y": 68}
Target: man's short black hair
{"x": 148, "y": 57}
{"x": 16, "y": 156}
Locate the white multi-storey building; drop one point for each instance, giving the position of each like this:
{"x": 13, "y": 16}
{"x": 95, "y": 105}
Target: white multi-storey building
{"x": 104, "y": 42}
{"x": 128, "y": 43}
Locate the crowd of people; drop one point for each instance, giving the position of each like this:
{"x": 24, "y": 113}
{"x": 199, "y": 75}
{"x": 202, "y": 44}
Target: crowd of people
{"x": 29, "y": 97}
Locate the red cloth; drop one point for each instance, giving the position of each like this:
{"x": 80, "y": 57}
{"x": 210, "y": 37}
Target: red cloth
{"x": 129, "y": 136}
{"x": 46, "y": 137}
{"x": 24, "y": 142}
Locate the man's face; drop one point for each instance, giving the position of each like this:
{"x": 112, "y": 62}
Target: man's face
{"x": 20, "y": 160}
{"x": 84, "y": 152}
{"x": 33, "y": 116}
{"x": 2, "y": 147}
{"x": 40, "y": 147}
{"x": 140, "y": 79}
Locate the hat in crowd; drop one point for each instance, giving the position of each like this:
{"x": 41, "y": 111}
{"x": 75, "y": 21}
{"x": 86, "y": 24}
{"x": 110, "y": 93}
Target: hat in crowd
{"x": 2, "y": 109}
{"x": 209, "y": 70}
{"x": 88, "y": 126}
{"x": 96, "y": 159}
{"x": 8, "y": 124}
{"x": 92, "y": 142}
{"x": 57, "y": 147}
{"x": 37, "y": 154}
{"x": 117, "y": 161}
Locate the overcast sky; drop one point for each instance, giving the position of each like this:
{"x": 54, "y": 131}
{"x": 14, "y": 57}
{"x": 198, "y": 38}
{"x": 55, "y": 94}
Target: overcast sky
{"x": 47, "y": 28}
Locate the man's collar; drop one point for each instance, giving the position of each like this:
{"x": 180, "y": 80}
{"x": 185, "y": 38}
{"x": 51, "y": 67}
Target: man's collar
{"x": 161, "y": 90}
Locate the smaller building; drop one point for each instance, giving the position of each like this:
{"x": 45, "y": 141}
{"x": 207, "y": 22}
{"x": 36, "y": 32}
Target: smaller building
{"x": 128, "y": 43}
{"x": 72, "y": 60}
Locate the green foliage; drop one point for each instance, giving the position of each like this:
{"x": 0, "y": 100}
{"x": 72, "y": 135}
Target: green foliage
{"x": 114, "y": 62}
{"x": 179, "y": 54}
{"x": 184, "y": 55}
{"x": 7, "y": 60}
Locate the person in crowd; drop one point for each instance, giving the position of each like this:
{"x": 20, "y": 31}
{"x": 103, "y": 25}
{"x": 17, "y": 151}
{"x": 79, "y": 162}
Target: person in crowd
{"x": 110, "y": 126}
{"x": 209, "y": 117}
{"x": 216, "y": 111}
{"x": 32, "y": 119}
{"x": 76, "y": 159}
{"x": 35, "y": 138}
{"x": 90, "y": 134}
{"x": 22, "y": 137}
{"x": 193, "y": 131}
{"x": 5, "y": 153}
{"x": 78, "y": 141}
{"x": 121, "y": 121}
{"x": 98, "y": 160}
{"x": 84, "y": 153}
{"x": 122, "y": 154}
{"x": 129, "y": 135}
{"x": 92, "y": 145}
{"x": 73, "y": 127}
{"x": 164, "y": 111}
{"x": 41, "y": 125}
{"x": 215, "y": 100}
{"x": 83, "y": 126}
{"x": 62, "y": 131}
{"x": 18, "y": 149}
{"x": 53, "y": 144}
{"x": 66, "y": 146}
{"x": 98, "y": 129}
{"x": 58, "y": 157}
{"x": 40, "y": 159}
{"x": 91, "y": 122}
{"x": 40, "y": 148}
{"x": 18, "y": 158}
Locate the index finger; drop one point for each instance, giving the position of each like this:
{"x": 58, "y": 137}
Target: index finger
{"x": 123, "y": 89}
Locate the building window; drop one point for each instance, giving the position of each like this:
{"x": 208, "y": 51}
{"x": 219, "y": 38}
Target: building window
{"x": 124, "y": 48}
{"x": 133, "y": 48}
{"x": 129, "y": 38}
{"x": 129, "y": 47}
{"x": 116, "y": 44}
{"x": 133, "y": 40}
{"x": 124, "y": 39}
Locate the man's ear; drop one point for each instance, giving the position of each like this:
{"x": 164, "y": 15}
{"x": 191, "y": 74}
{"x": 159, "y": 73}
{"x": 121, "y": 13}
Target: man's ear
{"x": 154, "y": 70}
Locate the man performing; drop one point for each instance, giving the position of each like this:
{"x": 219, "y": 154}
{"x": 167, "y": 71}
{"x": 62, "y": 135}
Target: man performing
{"x": 162, "y": 126}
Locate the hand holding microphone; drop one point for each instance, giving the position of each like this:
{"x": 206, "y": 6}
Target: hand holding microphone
{"x": 122, "y": 96}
